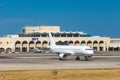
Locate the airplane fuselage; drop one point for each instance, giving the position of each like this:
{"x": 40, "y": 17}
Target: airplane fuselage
{"x": 73, "y": 50}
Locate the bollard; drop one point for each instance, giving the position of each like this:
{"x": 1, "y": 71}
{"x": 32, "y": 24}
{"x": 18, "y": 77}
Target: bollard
{"x": 54, "y": 72}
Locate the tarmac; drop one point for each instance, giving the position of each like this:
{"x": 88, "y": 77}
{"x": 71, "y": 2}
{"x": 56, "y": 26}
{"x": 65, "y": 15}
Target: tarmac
{"x": 36, "y": 61}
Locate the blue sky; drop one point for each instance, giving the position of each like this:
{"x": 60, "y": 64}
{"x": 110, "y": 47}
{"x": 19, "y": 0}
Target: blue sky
{"x": 96, "y": 17}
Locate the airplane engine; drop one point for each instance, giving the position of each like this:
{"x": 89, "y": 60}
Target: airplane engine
{"x": 62, "y": 56}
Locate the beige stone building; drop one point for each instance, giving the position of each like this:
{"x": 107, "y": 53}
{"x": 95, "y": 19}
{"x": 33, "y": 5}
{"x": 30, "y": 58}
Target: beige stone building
{"x": 37, "y": 37}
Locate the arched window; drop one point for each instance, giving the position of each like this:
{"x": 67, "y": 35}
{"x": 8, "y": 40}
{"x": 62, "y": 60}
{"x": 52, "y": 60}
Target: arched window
{"x": 66, "y": 43}
{"x": 89, "y": 43}
{"x": 17, "y": 44}
{"x": 2, "y": 50}
{"x": 101, "y": 42}
{"x": 95, "y": 42}
{"x": 77, "y": 43}
{"x": 38, "y": 44}
{"x": 24, "y": 46}
{"x": 31, "y": 42}
{"x": 83, "y": 43}
{"x": 45, "y": 44}
{"x": 70, "y": 42}
{"x": 8, "y": 50}
{"x": 95, "y": 45}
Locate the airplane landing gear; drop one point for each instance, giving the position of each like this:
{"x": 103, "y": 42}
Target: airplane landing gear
{"x": 87, "y": 58}
{"x": 77, "y": 58}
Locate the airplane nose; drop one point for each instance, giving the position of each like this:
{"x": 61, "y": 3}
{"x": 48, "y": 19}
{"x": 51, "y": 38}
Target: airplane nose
{"x": 90, "y": 52}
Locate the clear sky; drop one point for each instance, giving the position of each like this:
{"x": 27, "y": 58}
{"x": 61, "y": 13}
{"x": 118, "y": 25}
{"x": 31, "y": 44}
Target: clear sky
{"x": 96, "y": 17}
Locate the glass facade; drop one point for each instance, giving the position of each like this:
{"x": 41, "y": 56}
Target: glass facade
{"x": 54, "y": 35}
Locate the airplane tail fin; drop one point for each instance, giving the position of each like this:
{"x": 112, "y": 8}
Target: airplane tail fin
{"x": 52, "y": 42}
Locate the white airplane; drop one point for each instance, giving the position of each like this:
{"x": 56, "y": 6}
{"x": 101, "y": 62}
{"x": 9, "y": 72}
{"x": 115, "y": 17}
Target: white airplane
{"x": 64, "y": 51}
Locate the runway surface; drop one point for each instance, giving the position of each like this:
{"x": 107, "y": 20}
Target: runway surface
{"x": 50, "y": 61}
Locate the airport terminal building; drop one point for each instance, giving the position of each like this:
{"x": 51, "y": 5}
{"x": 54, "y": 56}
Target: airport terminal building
{"x": 33, "y": 37}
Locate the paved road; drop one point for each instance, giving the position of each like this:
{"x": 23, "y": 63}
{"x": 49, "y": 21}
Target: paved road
{"x": 50, "y": 61}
